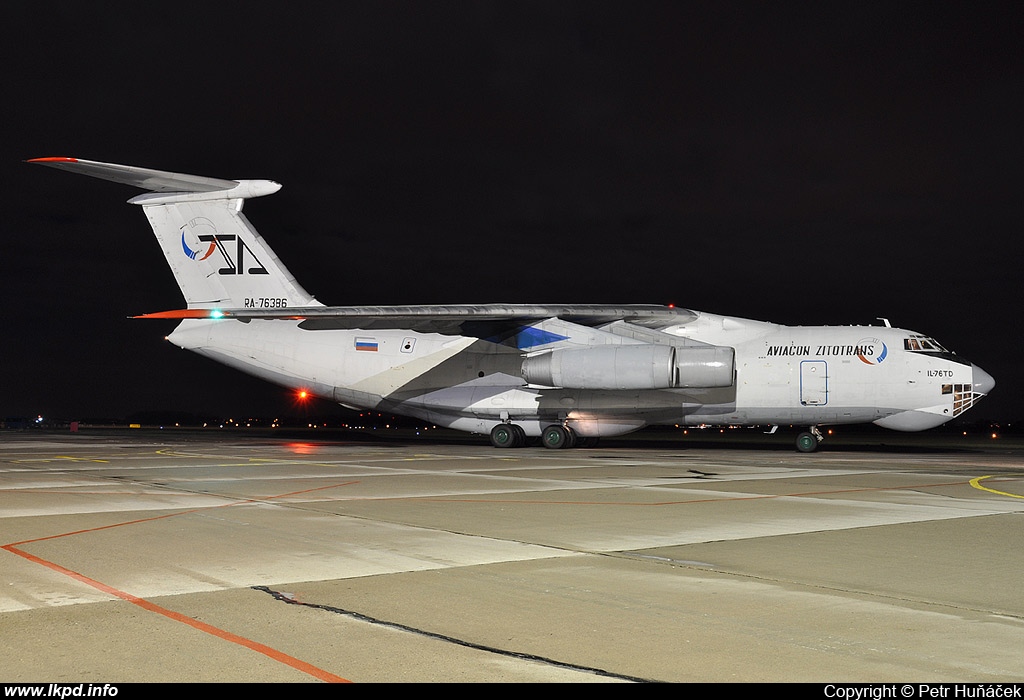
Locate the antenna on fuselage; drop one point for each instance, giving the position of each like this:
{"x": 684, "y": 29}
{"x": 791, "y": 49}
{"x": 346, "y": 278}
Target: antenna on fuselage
{"x": 885, "y": 321}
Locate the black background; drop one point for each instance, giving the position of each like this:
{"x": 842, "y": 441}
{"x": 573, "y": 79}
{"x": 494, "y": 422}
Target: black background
{"x": 798, "y": 164}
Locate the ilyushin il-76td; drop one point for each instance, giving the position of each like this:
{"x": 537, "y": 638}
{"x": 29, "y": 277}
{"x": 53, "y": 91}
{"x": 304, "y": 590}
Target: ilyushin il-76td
{"x": 564, "y": 373}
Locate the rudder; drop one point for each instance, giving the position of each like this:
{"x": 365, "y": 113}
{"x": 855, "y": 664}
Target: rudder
{"x": 219, "y": 259}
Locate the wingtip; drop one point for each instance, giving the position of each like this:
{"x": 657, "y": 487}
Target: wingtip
{"x": 52, "y": 159}
{"x": 187, "y": 313}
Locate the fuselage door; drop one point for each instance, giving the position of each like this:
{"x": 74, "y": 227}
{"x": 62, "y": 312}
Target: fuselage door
{"x": 813, "y": 383}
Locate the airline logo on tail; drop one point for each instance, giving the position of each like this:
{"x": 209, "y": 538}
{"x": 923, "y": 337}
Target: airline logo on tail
{"x": 194, "y": 254}
{"x": 235, "y": 257}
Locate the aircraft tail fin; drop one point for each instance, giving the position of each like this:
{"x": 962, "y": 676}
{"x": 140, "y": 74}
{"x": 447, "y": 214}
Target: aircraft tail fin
{"x": 218, "y": 259}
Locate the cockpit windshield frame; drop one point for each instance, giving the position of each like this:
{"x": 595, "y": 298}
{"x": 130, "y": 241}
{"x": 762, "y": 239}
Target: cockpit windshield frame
{"x": 920, "y": 344}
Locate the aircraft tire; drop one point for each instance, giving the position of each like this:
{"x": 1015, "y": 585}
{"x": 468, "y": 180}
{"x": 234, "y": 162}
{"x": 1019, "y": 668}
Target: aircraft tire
{"x": 555, "y": 437}
{"x": 520, "y": 435}
{"x": 505, "y": 435}
{"x": 806, "y": 442}
{"x": 573, "y": 440}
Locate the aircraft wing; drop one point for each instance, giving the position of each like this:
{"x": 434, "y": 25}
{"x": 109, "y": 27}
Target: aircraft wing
{"x": 478, "y": 320}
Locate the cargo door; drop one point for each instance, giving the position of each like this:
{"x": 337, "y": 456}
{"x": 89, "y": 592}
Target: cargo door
{"x": 813, "y": 383}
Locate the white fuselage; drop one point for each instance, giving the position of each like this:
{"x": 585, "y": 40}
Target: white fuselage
{"x": 816, "y": 375}
{"x": 558, "y": 371}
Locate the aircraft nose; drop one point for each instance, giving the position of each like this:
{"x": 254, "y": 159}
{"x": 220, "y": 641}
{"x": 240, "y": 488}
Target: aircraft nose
{"x": 982, "y": 380}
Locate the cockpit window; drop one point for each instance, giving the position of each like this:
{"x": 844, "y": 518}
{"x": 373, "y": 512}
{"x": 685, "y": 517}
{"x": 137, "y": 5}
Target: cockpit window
{"x": 931, "y": 348}
{"x": 919, "y": 343}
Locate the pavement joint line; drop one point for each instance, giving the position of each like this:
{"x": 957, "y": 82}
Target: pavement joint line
{"x": 291, "y": 600}
{"x": 281, "y": 657}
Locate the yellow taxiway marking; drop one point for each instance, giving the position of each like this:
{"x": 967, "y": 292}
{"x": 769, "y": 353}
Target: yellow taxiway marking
{"x": 976, "y": 483}
{"x": 41, "y": 460}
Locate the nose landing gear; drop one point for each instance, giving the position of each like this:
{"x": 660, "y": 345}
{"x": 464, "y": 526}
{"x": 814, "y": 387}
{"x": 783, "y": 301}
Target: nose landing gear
{"x": 809, "y": 440}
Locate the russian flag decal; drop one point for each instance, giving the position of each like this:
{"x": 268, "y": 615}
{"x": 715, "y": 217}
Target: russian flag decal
{"x": 366, "y": 344}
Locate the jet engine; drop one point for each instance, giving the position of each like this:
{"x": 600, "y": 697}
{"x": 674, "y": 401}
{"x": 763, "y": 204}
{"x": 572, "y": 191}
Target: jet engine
{"x": 645, "y": 366}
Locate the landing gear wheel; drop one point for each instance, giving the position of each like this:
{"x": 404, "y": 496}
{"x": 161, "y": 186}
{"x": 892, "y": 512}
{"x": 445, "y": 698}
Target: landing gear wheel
{"x": 520, "y": 435}
{"x": 806, "y": 442}
{"x": 556, "y": 437}
{"x": 505, "y": 435}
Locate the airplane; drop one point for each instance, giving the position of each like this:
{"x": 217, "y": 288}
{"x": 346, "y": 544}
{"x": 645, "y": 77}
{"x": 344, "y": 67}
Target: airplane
{"x": 567, "y": 374}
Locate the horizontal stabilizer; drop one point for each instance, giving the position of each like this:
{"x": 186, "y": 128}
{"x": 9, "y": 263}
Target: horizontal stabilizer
{"x": 152, "y": 180}
{"x": 164, "y": 187}
{"x": 217, "y": 257}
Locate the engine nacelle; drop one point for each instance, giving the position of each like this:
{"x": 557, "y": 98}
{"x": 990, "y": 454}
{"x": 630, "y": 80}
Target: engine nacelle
{"x": 705, "y": 367}
{"x": 637, "y": 367}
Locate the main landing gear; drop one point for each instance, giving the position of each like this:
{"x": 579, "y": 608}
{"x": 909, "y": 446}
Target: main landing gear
{"x": 508, "y": 435}
{"x": 809, "y": 440}
{"x": 557, "y": 437}
{"x": 554, "y": 437}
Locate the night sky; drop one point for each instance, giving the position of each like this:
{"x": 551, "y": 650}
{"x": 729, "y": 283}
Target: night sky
{"x": 805, "y": 165}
